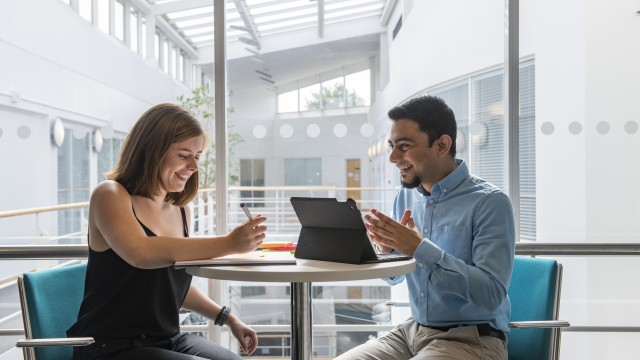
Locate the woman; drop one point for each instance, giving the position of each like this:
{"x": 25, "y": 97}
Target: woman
{"x": 138, "y": 227}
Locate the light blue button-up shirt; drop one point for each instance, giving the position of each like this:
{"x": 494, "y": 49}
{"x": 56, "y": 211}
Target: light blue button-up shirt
{"x": 465, "y": 260}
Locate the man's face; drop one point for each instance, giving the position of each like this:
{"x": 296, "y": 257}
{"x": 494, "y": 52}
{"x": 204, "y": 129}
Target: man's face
{"x": 411, "y": 153}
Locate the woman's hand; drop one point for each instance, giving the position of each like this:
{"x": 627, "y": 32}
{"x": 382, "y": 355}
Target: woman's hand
{"x": 248, "y": 236}
{"x": 246, "y": 336}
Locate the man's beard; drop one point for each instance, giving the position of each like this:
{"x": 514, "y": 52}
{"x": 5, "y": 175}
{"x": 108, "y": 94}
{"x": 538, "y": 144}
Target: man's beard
{"x": 411, "y": 185}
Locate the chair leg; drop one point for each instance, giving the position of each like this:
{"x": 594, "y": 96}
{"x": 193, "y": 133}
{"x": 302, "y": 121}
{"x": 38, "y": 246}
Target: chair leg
{"x": 28, "y": 354}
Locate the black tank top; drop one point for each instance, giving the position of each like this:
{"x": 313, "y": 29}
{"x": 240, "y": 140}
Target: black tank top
{"x": 122, "y": 301}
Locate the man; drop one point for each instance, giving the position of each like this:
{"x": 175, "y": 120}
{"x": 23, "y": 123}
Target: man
{"x": 460, "y": 231}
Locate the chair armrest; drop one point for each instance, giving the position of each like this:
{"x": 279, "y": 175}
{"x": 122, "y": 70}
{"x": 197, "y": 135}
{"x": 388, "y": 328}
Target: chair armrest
{"x": 539, "y": 324}
{"x": 397, "y": 303}
{"x": 79, "y": 341}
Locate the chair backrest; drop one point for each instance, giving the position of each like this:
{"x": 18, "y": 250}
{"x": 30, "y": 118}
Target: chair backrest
{"x": 50, "y": 301}
{"x": 534, "y": 293}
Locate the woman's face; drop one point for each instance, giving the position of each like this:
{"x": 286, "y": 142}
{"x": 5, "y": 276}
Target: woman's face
{"x": 179, "y": 163}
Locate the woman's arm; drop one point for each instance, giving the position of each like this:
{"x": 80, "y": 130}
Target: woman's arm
{"x": 196, "y": 301}
{"x": 112, "y": 224}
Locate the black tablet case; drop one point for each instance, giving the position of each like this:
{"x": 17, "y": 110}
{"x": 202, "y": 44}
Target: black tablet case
{"x": 331, "y": 231}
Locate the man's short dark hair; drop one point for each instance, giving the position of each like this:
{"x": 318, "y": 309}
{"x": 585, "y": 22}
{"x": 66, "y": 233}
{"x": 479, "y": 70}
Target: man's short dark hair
{"x": 433, "y": 115}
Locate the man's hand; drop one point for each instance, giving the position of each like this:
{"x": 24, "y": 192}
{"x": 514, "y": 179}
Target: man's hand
{"x": 389, "y": 234}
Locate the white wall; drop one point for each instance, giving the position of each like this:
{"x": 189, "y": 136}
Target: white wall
{"x": 56, "y": 64}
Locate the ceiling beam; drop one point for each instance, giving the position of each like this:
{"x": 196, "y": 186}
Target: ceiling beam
{"x": 243, "y": 11}
{"x": 389, "y": 5}
{"x": 144, "y": 7}
{"x": 172, "y": 34}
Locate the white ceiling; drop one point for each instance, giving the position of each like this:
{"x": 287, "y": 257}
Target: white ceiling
{"x": 284, "y": 38}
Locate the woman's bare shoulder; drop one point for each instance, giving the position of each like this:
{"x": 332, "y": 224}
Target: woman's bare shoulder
{"x": 109, "y": 188}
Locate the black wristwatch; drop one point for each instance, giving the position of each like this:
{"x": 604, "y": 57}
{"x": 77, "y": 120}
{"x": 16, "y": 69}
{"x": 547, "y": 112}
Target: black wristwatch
{"x": 222, "y": 317}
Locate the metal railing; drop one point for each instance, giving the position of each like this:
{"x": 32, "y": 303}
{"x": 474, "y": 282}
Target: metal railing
{"x": 274, "y": 203}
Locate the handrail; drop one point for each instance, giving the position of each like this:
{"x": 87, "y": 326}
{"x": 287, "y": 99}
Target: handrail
{"x": 85, "y": 204}
{"x": 578, "y": 249}
{"x": 42, "y": 209}
{"x": 42, "y": 252}
{"x": 81, "y": 251}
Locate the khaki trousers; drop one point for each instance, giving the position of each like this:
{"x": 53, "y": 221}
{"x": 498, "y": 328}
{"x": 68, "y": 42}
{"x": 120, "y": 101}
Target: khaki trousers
{"x": 410, "y": 340}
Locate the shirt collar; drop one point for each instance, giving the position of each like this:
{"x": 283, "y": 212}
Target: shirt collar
{"x": 450, "y": 181}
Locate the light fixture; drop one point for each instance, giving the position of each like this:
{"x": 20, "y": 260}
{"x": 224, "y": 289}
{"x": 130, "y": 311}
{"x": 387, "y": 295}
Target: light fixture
{"x": 98, "y": 141}
{"x": 57, "y": 132}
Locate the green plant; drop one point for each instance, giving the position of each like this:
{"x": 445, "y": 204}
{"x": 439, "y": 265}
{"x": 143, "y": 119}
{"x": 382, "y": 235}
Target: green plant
{"x": 334, "y": 97}
{"x": 200, "y": 104}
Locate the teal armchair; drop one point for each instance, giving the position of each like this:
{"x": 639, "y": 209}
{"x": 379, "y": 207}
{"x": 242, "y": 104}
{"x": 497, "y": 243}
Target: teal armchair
{"x": 50, "y": 300}
{"x": 535, "y": 301}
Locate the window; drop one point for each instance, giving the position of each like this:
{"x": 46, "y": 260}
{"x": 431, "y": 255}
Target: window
{"x": 358, "y": 89}
{"x": 481, "y": 135}
{"x": 299, "y": 172}
{"x": 332, "y": 95}
{"x": 103, "y": 16}
{"x": 252, "y": 174}
{"x": 310, "y": 97}
{"x": 133, "y": 30}
{"x": 352, "y": 90}
{"x": 180, "y": 67}
{"x": 85, "y": 9}
{"x": 288, "y": 102}
{"x": 73, "y": 177}
{"x": 156, "y": 47}
{"x": 119, "y": 20}
{"x": 108, "y": 156}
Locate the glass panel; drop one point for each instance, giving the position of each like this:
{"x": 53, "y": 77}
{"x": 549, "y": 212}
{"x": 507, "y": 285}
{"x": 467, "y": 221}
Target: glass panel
{"x": 165, "y": 56}
{"x": 333, "y": 94}
{"x": 73, "y": 182}
{"x": 133, "y": 30}
{"x": 84, "y": 9}
{"x": 310, "y": 98}
{"x": 457, "y": 97}
{"x": 180, "y": 67}
{"x": 174, "y": 61}
{"x": 156, "y": 47}
{"x": 144, "y": 37}
{"x": 488, "y": 130}
{"x": 305, "y": 172}
{"x": 103, "y": 16}
{"x": 288, "y": 102}
{"x": 119, "y": 20}
{"x": 358, "y": 88}
{"x": 527, "y": 152}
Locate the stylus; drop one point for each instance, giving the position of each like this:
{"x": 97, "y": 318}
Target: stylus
{"x": 246, "y": 210}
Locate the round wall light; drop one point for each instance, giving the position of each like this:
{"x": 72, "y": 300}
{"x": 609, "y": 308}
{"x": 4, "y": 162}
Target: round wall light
{"x": 57, "y": 132}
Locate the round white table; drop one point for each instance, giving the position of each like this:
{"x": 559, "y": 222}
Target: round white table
{"x": 301, "y": 276}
